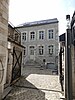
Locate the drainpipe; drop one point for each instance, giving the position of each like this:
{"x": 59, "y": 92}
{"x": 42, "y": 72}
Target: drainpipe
{"x": 68, "y": 65}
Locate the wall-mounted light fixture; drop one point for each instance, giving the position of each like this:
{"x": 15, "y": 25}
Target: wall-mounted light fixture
{"x": 68, "y": 21}
{"x": 9, "y": 45}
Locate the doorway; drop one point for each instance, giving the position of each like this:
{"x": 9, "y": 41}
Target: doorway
{"x": 32, "y": 52}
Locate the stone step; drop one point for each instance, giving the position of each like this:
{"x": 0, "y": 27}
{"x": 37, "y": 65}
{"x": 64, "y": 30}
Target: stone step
{"x": 31, "y": 66}
{"x": 33, "y": 62}
{"x": 30, "y": 61}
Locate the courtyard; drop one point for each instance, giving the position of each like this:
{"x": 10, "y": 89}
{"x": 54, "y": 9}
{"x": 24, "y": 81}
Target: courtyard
{"x": 36, "y": 83}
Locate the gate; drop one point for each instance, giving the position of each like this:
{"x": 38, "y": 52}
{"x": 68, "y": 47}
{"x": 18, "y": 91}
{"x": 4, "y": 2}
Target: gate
{"x": 17, "y": 60}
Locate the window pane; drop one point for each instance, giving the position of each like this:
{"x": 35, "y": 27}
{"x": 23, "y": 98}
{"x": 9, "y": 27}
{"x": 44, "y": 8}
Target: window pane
{"x": 41, "y": 50}
{"x": 24, "y": 36}
{"x": 50, "y": 34}
{"x": 50, "y": 48}
{"x": 32, "y": 35}
{"x": 41, "y": 34}
{"x": 31, "y": 50}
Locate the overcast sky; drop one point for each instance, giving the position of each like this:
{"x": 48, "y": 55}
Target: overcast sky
{"x": 21, "y": 11}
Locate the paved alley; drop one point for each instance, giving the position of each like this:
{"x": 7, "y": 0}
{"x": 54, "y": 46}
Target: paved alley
{"x": 36, "y": 83}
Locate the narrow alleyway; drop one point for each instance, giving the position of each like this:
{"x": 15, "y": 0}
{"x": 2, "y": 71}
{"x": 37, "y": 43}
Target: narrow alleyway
{"x": 36, "y": 83}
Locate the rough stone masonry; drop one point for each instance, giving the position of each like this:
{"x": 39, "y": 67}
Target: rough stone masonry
{"x": 4, "y": 7}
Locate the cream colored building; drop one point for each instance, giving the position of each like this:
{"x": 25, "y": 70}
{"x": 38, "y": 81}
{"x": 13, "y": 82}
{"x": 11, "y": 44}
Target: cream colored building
{"x": 40, "y": 39}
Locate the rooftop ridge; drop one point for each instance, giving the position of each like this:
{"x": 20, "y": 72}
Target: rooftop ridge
{"x": 47, "y": 21}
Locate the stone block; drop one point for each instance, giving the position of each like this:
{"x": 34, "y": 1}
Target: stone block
{"x": 3, "y": 38}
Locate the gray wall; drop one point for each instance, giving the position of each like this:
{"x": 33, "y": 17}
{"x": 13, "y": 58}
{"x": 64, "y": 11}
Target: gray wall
{"x": 44, "y": 42}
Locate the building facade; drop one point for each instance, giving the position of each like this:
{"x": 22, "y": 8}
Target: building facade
{"x": 40, "y": 39}
{"x": 15, "y": 50}
{"x": 4, "y": 5}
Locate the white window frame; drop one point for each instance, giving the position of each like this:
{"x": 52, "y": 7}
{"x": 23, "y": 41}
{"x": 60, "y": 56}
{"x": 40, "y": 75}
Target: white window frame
{"x": 30, "y": 36}
{"x": 51, "y": 46}
{"x": 29, "y": 48}
{"x": 24, "y": 36}
{"x": 43, "y": 50}
{"x": 48, "y": 33}
{"x": 32, "y": 50}
{"x": 41, "y": 34}
{"x": 24, "y": 52}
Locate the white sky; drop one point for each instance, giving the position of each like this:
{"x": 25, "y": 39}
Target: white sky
{"x": 21, "y": 11}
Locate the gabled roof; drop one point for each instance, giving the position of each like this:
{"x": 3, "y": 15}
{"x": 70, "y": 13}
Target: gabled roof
{"x": 41, "y": 22}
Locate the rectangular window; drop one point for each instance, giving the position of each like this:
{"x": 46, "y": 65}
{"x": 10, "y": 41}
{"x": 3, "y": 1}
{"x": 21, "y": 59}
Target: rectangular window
{"x": 41, "y": 34}
{"x": 24, "y": 36}
{"x": 32, "y": 35}
{"x": 41, "y": 50}
{"x": 50, "y": 49}
{"x": 50, "y": 34}
{"x": 31, "y": 50}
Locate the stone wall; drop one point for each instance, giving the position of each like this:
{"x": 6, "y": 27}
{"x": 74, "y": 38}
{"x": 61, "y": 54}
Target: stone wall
{"x": 4, "y": 4}
{"x": 52, "y": 59}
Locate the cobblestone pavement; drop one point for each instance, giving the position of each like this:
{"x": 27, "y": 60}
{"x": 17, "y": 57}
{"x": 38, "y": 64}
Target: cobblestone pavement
{"x": 36, "y": 83}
